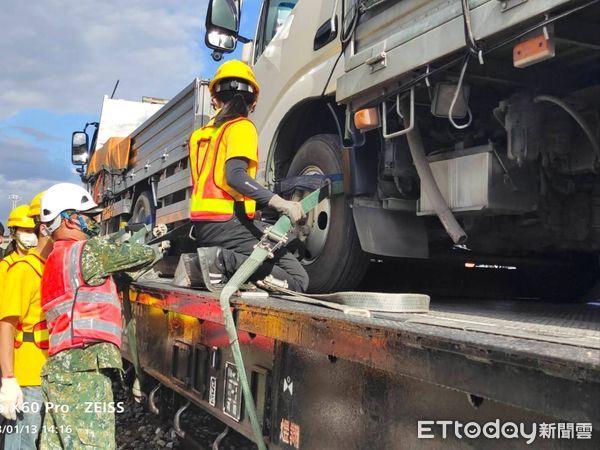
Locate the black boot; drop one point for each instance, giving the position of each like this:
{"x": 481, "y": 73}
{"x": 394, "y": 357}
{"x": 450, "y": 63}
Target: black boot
{"x": 212, "y": 265}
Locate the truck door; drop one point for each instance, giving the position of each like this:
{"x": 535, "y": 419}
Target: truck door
{"x": 286, "y": 63}
{"x": 273, "y": 15}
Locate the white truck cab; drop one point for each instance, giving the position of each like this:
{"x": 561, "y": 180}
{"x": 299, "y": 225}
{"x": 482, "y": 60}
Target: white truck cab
{"x": 462, "y": 123}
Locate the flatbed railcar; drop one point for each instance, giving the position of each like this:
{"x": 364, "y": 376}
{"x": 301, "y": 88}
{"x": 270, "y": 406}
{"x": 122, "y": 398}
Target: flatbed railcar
{"x": 322, "y": 379}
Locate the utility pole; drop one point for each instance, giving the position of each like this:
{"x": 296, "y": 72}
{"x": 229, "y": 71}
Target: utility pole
{"x": 14, "y": 198}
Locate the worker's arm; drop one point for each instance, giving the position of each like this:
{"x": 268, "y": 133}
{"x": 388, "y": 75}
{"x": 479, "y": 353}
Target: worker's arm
{"x": 236, "y": 172}
{"x": 101, "y": 258}
{"x": 11, "y": 396}
{"x": 8, "y": 326}
{"x": 241, "y": 141}
{"x": 14, "y": 304}
{"x": 11, "y": 310}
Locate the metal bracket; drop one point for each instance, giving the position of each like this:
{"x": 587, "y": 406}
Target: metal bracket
{"x": 271, "y": 241}
{"x": 377, "y": 62}
{"x": 274, "y": 283}
{"x": 154, "y": 187}
{"x": 410, "y": 127}
{"x": 505, "y": 5}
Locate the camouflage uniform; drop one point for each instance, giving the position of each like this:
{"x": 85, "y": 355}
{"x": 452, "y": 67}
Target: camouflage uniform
{"x": 101, "y": 258}
{"x": 75, "y": 382}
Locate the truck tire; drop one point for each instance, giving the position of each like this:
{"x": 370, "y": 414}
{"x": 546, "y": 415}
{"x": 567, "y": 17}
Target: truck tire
{"x": 333, "y": 257}
{"x": 143, "y": 209}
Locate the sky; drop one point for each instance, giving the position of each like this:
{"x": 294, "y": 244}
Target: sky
{"x": 59, "y": 59}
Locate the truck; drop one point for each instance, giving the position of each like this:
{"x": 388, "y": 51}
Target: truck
{"x": 498, "y": 151}
{"x": 520, "y": 79}
{"x": 463, "y": 130}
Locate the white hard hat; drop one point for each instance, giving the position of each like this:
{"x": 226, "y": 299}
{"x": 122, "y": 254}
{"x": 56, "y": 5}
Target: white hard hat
{"x": 65, "y": 197}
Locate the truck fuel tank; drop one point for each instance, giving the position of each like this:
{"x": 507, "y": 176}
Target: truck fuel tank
{"x": 476, "y": 179}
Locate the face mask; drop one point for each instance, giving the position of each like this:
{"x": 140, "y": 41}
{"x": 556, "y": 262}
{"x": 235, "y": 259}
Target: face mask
{"x": 26, "y": 240}
{"x": 89, "y": 226}
{"x": 94, "y": 227}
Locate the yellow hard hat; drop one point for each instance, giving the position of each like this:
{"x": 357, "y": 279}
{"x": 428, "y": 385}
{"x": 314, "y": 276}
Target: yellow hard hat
{"x": 34, "y": 207}
{"x": 234, "y": 69}
{"x": 18, "y": 218}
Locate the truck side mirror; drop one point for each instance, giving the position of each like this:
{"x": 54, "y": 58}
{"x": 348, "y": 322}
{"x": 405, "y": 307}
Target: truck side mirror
{"x": 222, "y": 26}
{"x": 79, "y": 148}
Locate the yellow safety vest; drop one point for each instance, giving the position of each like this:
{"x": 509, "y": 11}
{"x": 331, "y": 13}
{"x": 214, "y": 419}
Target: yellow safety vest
{"x": 39, "y": 335}
{"x": 212, "y": 198}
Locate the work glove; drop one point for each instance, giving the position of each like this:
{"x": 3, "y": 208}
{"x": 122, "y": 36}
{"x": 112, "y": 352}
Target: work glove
{"x": 291, "y": 209}
{"x": 11, "y": 398}
{"x": 160, "y": 249}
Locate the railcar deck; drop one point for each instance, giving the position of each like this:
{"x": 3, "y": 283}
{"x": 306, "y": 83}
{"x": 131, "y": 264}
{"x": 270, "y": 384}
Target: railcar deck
{"x": 518, "y": 353}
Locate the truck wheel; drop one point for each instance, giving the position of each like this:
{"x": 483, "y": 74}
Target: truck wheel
{"x": 143, "y": 209}
{"x": 333, "y": 258}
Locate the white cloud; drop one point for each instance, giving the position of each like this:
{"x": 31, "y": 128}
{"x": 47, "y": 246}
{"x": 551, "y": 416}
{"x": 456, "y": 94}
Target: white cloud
{"x": 35, "y": 134}
{"x": 27, "y": 169}
{"x": 63, "y": 56}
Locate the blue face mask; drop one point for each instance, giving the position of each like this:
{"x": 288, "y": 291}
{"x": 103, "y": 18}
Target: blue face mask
{"x": 90, "y": 227}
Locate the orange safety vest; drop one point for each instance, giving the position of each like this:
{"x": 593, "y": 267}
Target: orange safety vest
{"x": 39, "y": 336}
{"x": 212, "y": 199}
{"x": 77, "y": 314}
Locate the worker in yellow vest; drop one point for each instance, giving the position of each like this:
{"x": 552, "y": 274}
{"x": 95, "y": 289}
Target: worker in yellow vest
{"x": 18, "y": 223}
{"x": 223, "y": 163}
{"x": 24, "y": 341}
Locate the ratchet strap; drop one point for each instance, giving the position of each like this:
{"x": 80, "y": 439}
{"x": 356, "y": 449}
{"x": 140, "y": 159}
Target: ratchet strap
{"x": 274, "y": 238}
{"x": 355, "y": 303}
{"x": 364, "y": 304}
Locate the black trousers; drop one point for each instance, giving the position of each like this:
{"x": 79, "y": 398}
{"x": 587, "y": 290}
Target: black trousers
{"x": 238, "y": 238}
